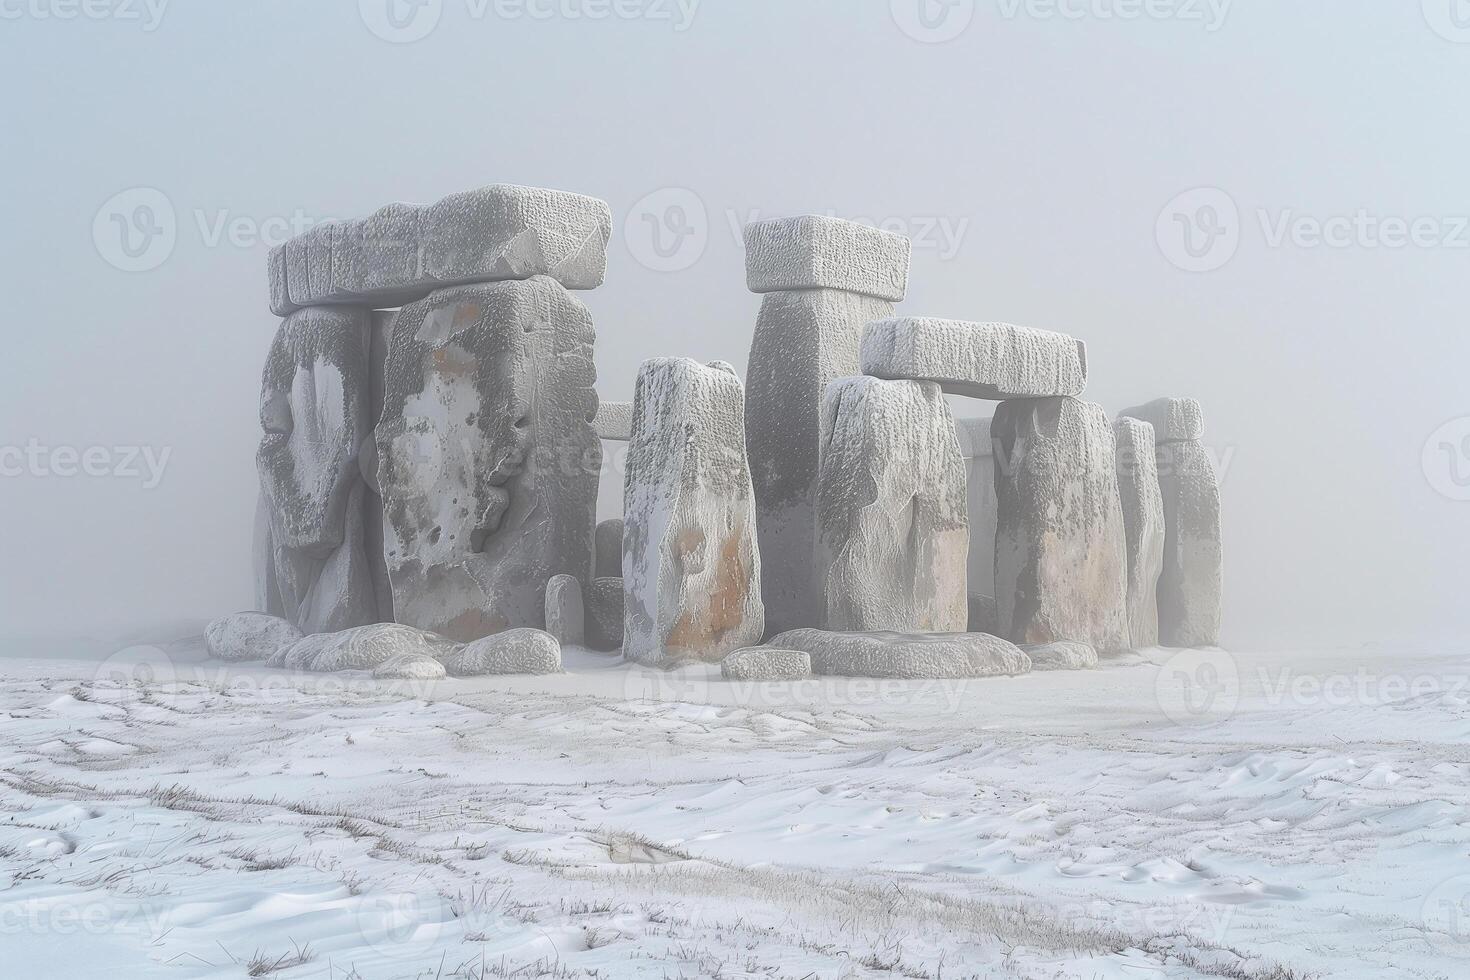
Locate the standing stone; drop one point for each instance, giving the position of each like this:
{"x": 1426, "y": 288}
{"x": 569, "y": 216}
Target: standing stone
{"x": 609, "y": 549}
{"x": 1061, "y": 562}
{"x": 565, "y": 615}
{"x": 614, "y": 421}
{"x": 893, "y": 532}
{"x": 488, "y": 464}
{"x": 1143, "y": 525}
{"x": 975, "y": 447}
{"x": 823, "y": 279}
{"x": 315, "y": 414}
{"x": 263, "y": 553}
{"x": 978, "y": 360}
{"x": 604, "y": 611}
{"x": 691, "y": 566}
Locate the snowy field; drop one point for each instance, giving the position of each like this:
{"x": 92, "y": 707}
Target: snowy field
{"x": 1203, "y": 814}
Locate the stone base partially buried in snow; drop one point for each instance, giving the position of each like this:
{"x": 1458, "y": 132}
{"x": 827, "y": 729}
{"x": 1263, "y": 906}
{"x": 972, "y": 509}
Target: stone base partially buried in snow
{"x": 518, "y": 651}
{"x": 766, "y": 664}
{"x": 360, "y": 648}
{"x": 906, "y": 655}
{"x": 1062, "y": 655}
{"x": 248, "y": 636}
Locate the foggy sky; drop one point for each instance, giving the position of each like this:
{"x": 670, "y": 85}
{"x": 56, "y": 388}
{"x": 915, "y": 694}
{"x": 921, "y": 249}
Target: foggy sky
{"x": 1032, "y": 156}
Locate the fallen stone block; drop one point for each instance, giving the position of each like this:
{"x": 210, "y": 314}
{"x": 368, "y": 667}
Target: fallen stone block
{"x": 517, "y": 651}
{"x": 893, "y": 532}
{"x": 766, "y": 664}
{"x": 360, "y": 648}
{"x": 815, "y": 252}
{"x": 565, "y": 617}
{"x": 609, "y": 549}
{"x": 1193, "y": 566}
{"x": 804, "y": 339}
{"x": 1173, "y": 419}
{"x": 248, "y": 636}
{"x": 605, "y": 613}
{"x": 488, "y": 465}
{"x": 691, "y": 565}
{"x": 410, "y": 667}
{"x": 1061, "y": 562}
{"x": 977, "y": 360}
{"x": 906, "y": 655}
{"x": 1061, "y": 656}
{"x": 614, "y": 421}
{"x": 1143, "y": 526}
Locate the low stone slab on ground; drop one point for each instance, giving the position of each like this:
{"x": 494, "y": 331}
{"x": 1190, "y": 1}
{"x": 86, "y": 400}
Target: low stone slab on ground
{"x": 248, "y": 636}
{"x": 978, "y": 360}
{"x": 517, "y": 651}
{"x": 1062, "y": 655}
{"x": 410, "y": 667}
{"x": 766, "y": 664}
{"x": 360, "y": 648}
{"x": 816, "y": 252}
{"x": 906, "y": 655}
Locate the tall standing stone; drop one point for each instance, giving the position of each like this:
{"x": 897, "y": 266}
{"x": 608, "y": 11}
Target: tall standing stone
{"x": 1143, "y": 524}
{"x": 1061, "y": 563}
{"x": 1193, "y": 569}
{"x": 488, "y": 462}
{"x": 975, "y": 447}
{"x": 893, "y": 530}
{"x": 823, "y": 279}
{"x": 691, "y": 565}
{"x": 315, "y": 414}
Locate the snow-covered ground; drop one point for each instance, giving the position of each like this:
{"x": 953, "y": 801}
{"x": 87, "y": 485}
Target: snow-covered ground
{"x": 1200, "y": 814}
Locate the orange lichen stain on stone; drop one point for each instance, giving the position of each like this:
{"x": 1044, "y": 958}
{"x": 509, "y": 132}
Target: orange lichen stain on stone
{"x": 699, "y": 629}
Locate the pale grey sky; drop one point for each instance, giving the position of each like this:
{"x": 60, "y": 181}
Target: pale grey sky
{"x": 1036, "y": 150}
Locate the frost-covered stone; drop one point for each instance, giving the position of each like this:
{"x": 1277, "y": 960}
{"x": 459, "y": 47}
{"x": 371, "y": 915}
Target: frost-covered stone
{"x": 248, "y": 636}
{"x": 605, "y": 613}
{"x": 978, "y": 360}
{"x": 893, "y": 533}
{"x": 906, "y": 655}
{"x": 1061, "y": 562}
{"x": 691, "y": 566}
{"x": 263, "y": 561}
{"x": 614, "y": 421}
{"x": 1190, "y": 583}
{"x": 1143, "y": 526}
{"x": 1173, "y": 419}
{"x": 315, "y": 415}
{"x": 766, "y": 664}
{"x": 517, "y": 651}
{"x": 984, "y": 614}
{"x": 403, "y": 251}
{"x": 488, "y": 463}
{"x": 1062, "y": 655}
{"x": 975, "y": 447}
{"x": 410, "y": 667}
{"x": 280, "y": 295}
{"x": 361, "y": 648}
{"x": 804, "y": 339}
{"x": 565, "y": 618}
{"x": 608, "y": 550}
{"x": 815, "y": 252}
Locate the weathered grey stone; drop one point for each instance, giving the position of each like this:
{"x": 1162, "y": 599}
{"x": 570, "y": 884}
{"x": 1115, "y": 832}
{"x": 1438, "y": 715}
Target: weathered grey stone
{"x": 361, "y": 648}
{"x": 1173, "y": 419}
{"x": 893, "y": 533}
{"x": 975, "y": 447}
{"x": 280, "y": 295}
{"x": 605, "y": 613}
{"x": 984, "y": 614}
{"x": 517, "y": 651}
{"x": 609, "y": 549}
{"x": 490, "y": 234}
{"x": 1190, "y": 584}
{"x": 766, "y": 664}
{"x": 488, "y": 463}
{"x": 1143, "y": 526}
{"x": 410, "y": 667}
{"x": 614, "y": 421}
{"x": 978, "y": 360}
{"x": 804, "y": 340}
{"x": 1061, "y": 655}
{"x": 565, "y": 618}
{"x": 315, "y": 415}
{"x": 1061, "y": 562}
{"x": 815, "y": 252}
{"x": 906, "y": 655}
{"x": 381, "y": 340}
{"x": 691, "y": 565}
{"x": 248, "y": 636}
{"x": 263, "y": 561}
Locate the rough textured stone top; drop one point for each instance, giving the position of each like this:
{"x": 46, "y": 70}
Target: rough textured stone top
{"x": 979, "y": 360}
{"x": 1173, "y": 419}
{"x": 814, "y": 252}
{"x": 402, "y": 251}
{"x": 614, "y": 421}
